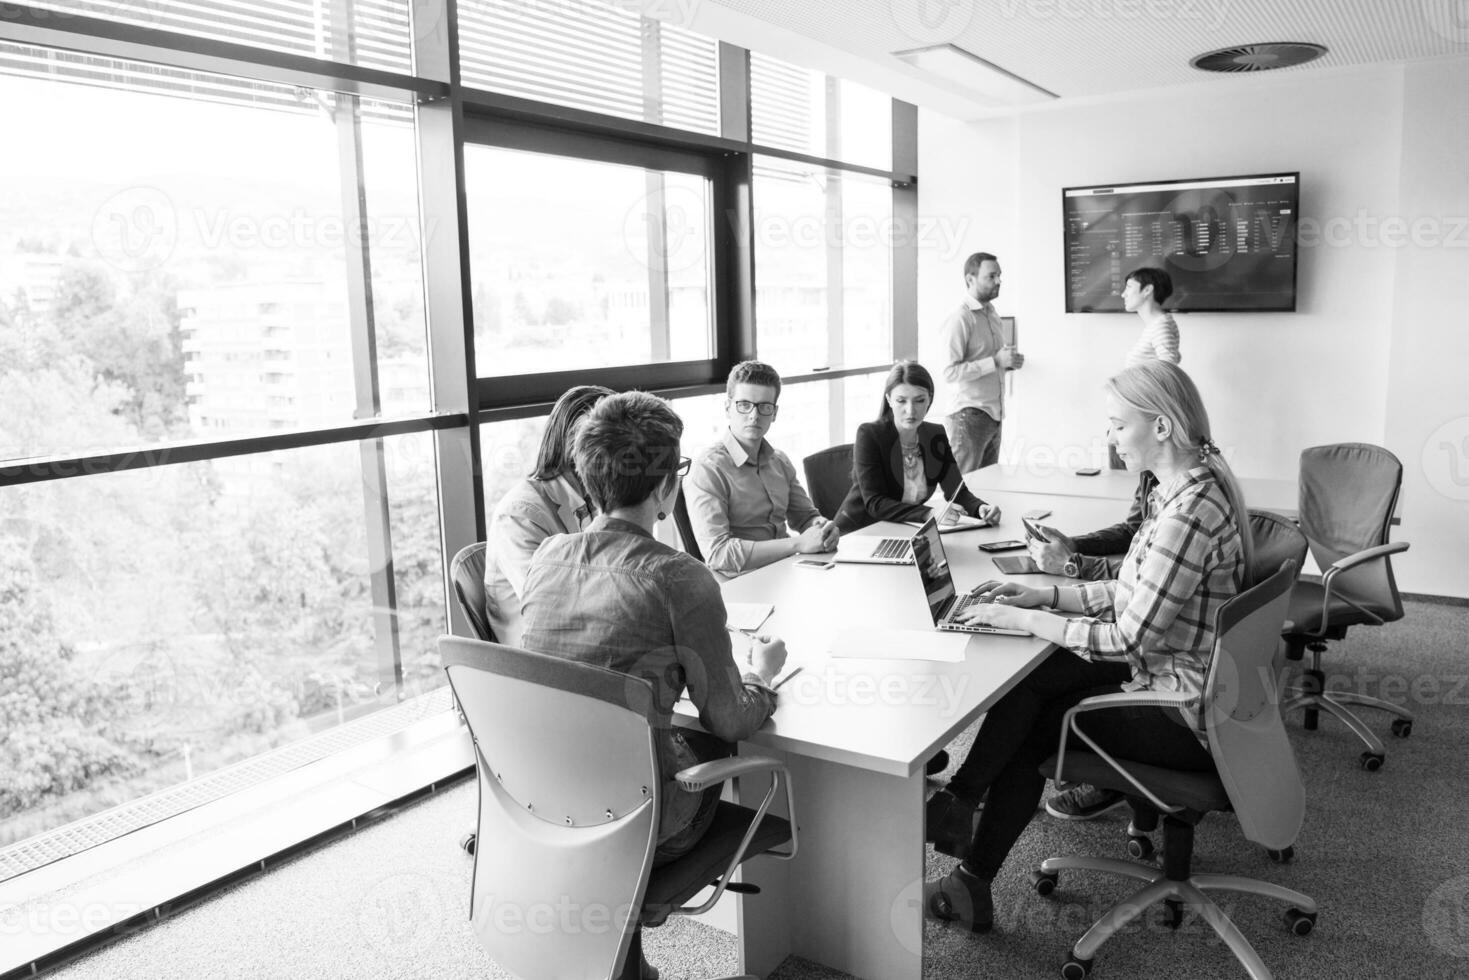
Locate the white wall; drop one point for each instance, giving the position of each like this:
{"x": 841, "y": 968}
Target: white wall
{"x": 1360, "y": 360}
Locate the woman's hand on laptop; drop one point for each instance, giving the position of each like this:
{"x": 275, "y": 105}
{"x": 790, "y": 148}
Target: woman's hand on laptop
{"x": 1011, "y": 594}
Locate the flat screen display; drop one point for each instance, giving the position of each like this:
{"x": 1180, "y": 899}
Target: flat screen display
{"x": 1228, "y": 243}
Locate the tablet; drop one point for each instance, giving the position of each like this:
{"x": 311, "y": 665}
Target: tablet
{"x": 1016, "y": 564}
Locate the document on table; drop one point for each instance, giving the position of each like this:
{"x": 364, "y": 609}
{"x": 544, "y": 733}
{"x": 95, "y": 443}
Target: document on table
{"x": 896, "y": 644}
{"x": 746, "y": 617}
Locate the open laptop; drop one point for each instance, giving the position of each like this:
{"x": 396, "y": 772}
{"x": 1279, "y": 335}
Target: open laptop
{"x": 872, "y": 550}
{"x": 938, "y": 585}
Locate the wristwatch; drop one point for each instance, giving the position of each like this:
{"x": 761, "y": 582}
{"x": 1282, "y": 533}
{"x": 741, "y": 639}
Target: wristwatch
{"x": 1072, "y": 568}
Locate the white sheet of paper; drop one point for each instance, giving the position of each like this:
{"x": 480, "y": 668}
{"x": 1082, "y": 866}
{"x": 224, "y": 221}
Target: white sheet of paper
{"x": 747, "y": 615}
{"x": 894, "y": 644}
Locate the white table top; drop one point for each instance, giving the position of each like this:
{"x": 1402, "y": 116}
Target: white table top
{"x": 890, "y": 715}
{"x": 1280, "y": 496}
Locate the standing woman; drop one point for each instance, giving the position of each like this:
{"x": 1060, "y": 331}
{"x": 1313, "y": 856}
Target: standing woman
{"x": 899, "y": 460}
{"x": 549, "y": 501}
{"x": 1145, "y": 293}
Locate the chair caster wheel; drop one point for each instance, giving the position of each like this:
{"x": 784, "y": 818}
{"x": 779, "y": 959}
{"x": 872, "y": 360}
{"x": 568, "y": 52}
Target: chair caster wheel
{"x": 1139, "y": 847}
{"x": 1075, "y": 969}
{"x": 1402, "y": 727}
{"x": 1300, "y": 923}
{"x": 1044, "y": 882}
{"x": 466, "y": 843}
{"x": 1281, "y": 857}
{"x": 1371, "y": 761}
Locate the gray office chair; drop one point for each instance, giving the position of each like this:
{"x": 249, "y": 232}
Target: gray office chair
{"x": 1348, "y": 494}
{"x": 685, "y": 525}
{"x": 829, "y": 478}
{"x": 1276, "y": 540}
{"x": 467, "y": 573}
{"x": 567, "y": 757}
{"x": 1256, "y": 777}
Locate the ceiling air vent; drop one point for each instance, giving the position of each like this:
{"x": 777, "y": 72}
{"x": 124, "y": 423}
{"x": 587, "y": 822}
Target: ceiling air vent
{"x": 1259, "y": 57}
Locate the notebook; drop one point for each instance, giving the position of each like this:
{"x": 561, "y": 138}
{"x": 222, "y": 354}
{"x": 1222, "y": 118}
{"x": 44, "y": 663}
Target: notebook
{"x": 938, "y": 585}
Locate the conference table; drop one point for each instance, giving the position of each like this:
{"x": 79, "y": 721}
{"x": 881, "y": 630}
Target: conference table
{"x": 1279, "y": 496}
{"x": 856, "y": 734}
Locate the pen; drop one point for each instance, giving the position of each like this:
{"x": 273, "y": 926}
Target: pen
{"x": 787, "y": 677}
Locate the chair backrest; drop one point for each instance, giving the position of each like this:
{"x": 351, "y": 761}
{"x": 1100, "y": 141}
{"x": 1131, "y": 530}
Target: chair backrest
{"x": 684, "y": 525}
{"x": 467, "y": 572}
{"x": 1276, "y": 540}
{"x": 568, "y": 806}
{"x": 829, "y": 478}
{"x": 1349, "y": 491}
{"x": 1242, "y": 720}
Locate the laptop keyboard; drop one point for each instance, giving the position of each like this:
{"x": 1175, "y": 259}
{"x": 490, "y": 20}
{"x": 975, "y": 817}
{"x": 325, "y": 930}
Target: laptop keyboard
{"x": 967, "y": 599}
{"x": 894, "y": 548}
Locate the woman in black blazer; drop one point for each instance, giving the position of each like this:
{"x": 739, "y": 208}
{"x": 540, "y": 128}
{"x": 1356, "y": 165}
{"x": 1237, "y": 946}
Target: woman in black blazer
{"x": 899, "y": 460}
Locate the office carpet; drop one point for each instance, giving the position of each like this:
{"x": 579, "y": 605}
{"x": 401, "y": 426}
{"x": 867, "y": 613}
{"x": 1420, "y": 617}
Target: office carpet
{"x": 1385, "y": 854}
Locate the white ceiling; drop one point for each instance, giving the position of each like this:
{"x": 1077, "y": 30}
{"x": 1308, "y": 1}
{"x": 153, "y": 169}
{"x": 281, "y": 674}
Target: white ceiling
{"x": 1089, "y": 48}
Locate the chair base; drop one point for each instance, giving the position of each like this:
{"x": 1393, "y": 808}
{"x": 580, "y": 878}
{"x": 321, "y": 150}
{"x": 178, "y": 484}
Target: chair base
{"x": 1314, "y": 700}
{"x": 1188, "y": 893}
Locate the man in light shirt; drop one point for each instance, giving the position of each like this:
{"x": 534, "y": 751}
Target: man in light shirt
{"x": 742, "y": 492}
{"x": 975, "y": 360}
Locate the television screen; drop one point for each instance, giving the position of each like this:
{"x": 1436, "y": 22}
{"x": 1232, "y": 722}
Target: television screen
{"x": 1228, "y": 243}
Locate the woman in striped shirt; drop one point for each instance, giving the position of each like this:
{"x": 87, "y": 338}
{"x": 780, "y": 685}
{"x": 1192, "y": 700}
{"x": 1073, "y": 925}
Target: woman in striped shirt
{"x": 1144, "y": 294}
{"x": 1150, "y": 629}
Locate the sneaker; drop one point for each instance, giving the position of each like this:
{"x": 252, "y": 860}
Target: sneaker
{"x": 962, "y": 897}
{"x": 1084, "y": 803}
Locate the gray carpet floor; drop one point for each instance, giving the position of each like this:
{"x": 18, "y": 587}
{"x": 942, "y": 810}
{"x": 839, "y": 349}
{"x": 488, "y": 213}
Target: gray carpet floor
{"x": 1385, "y": 854}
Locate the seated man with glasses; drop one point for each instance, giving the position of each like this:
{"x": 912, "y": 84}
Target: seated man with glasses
{"x": 742, "y": 492}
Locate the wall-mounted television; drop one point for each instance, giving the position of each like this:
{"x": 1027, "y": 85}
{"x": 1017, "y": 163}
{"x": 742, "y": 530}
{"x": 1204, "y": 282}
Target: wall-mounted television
{"x": 1228, "y": 243}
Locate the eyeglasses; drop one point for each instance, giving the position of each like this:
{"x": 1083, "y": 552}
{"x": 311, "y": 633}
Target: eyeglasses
{"x": 764, "y": 408}
{"x": 683, "y": 466}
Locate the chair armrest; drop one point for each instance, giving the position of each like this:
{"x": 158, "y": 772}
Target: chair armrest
{"x": 706, "y": 774}
{"x": 700, "y": 777}
{"x": 1349, "y": 562}
{"x": 1122, "y": 699}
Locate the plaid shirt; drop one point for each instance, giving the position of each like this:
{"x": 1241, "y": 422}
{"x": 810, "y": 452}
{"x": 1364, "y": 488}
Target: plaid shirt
{"x": 1185, "y": 561}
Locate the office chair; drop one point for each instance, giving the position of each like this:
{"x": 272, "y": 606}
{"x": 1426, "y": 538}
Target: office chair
{"x": 1256, "y": 777}
{"x": 467, "y": 572}
{"x": 829, "y": 478}
{"x": 1276, "y": 540}
{"x": 685, "y": 526}
{"x": 567, "y": 757}
{"x": 1348, "y": 494}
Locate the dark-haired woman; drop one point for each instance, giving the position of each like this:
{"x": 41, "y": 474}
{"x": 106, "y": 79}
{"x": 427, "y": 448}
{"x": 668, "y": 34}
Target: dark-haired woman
{"x": 549, "y": 501}
{"x": 900, "y": 460}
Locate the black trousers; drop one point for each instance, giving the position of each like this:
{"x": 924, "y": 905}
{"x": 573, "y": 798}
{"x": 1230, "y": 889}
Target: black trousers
{"x": 1024, "y": 727}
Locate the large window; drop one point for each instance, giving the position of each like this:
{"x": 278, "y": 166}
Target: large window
{"x": 580, "y": 264}
{"x": 245, "y": 251}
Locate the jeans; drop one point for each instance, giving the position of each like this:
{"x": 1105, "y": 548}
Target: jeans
{"x": 975, "y": 438}
{"x": 1023, "y": 729}
{"x": 692, "y": 747}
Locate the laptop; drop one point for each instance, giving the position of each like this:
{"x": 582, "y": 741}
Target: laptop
{"x": 938, "y": 585}
{"x": 871, "y": 550}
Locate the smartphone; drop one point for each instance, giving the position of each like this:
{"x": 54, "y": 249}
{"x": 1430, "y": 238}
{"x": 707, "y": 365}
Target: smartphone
{"x": 1034, "y": 530}
{"x": 1001, "y": 545}
{"x": 1016, "y": 564}
{"x": 814, "y": 563}
{"x": 1088, "y": 471}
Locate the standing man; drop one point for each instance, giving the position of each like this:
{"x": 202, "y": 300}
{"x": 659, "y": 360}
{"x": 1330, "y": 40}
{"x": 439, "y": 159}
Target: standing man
{"x": 975, "y": 361}
{"x": 742, "y": 492}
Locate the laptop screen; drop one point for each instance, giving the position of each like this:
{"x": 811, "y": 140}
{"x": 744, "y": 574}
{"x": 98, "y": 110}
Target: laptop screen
{"x": 933, "y": 568}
